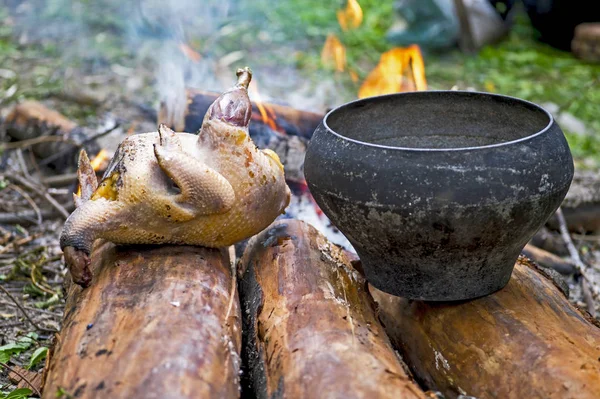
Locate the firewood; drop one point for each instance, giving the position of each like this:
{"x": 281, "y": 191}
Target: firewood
{"x": 292, "y": 121}
{"x": 581, "y": 206}
{"x": 157, "y": 322}
{"x": 548, "y": 259}
{"x": 31, "y": 120}
{"x": 28, "y": 116}
{"x": 549, "y": 241}
{"x": 24, "y": 378}
{"x": 310, "y": 327}
{"x": 524, "y": 341}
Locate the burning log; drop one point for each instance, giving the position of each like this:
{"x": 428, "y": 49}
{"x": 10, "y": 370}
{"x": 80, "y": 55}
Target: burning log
{"x": 289, "y": 120}
{"x": 286, "y": 133}
{"x": 310, "y": 327}
{"x": 158, "y": 322}
{"x": 524, "y": 341}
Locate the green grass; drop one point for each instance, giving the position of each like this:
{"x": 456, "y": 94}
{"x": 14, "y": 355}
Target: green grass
{"x": 518, "y": 66}
{"x": 522, "y": 67}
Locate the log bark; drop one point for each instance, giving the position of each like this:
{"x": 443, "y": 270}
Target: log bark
{"x": 524, "y": 341}
{"x": 581, "y": 206}
{"x": 31, "y": 120}
{"x": 157, "y": 322}
{"x": 548, "y": 259}
{"x": 27, "y": 117}
{"x": 310, "y": 327}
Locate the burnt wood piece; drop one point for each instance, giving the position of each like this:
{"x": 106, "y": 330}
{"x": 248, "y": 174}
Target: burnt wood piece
{"x": 581, "y": 206}
{"x": 548, "y": 259}
{"x": 289, "y": 142}
{"x": 549, "y": 241}
{"x": 310, "y": 326}
{"x": 31, "y": 119}
{"x": 290, "y": 121}
{"x": 524, "y": 341}
{"x": 152, "y": 325}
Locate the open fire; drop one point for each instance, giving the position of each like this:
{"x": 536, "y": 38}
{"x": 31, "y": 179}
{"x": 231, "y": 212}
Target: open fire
{"x": 399, "y": 69}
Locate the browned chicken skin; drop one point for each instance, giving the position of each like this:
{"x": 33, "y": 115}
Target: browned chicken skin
{"x": 213, "y": 189}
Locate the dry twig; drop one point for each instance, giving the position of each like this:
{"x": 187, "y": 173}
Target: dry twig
{"x": 35, "y": 390}
{"x": 31, "y": 202}
{"x": 590, "y": 291}
{"x": 43, "y": 311}
{"x": 27, "y": 217}
{"x": 60, "y": 180}
{"x": 59, "y": 154}
{"x": 37, "y": 140}
{"x": 22, "y": 309}
{"x": 23, "y": 181}
{"x": 17, "y": 243}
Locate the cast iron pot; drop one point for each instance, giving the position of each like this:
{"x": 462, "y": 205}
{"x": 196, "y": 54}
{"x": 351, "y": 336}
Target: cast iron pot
{"x": 438, "y": 192}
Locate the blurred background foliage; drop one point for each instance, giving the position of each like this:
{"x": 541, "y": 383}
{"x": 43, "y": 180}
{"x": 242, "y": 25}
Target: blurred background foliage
{"x": 291, "y": 33}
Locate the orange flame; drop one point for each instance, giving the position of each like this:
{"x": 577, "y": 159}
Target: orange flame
{"x": 266, "y": 113}
{"x": 399, "y": 69}
{"x": 351, "y": 17}
{"x": 189, "y": 52}
{"x": 334, "y": 53}
{"x": 100, "y": 161}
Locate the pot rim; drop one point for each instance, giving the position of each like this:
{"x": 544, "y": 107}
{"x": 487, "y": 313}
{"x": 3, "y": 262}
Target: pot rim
{"x": 423, "y": 149}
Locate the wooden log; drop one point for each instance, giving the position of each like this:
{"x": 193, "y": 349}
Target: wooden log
{"x": 549, "y": 241}
{"x": 524, "y": 341}
{"x": 156, "y": 323}
{"x": 548, "y": 259}
{"x": 310, "y": 327}
{"x": 289, "y": 139}
{"x": 31, "y": 120}
{"x": 28, "y": 116}
{"x": 290, "y": 121}
{"x": 581, "y": 206}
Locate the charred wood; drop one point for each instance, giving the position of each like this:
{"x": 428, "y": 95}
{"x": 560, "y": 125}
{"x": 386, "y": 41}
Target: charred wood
{"x": 549, "y": 260}
{"x": 31, "y": 120}
{"x": 290, "y": 121}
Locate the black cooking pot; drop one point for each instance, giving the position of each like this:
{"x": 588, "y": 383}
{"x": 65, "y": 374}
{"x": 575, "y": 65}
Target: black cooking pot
{"x": 438, "y": 192}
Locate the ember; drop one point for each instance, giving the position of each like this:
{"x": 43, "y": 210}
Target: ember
{"x": 100, "y": 161}
{"x": 266, "y": 112}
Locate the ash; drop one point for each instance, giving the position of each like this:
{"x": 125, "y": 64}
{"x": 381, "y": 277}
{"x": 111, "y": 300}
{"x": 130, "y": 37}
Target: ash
{"x": 303, "y": 207}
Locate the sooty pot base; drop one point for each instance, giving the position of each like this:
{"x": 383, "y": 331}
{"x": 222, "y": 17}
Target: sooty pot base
{"x": 438, "y": 192}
